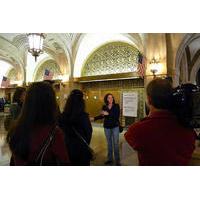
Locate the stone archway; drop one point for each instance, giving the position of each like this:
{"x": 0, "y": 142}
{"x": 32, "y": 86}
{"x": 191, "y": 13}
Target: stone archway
{"x": 187, "y": 63}
{"x": 12, "y": 74}
{"x": 111, "y": 58}
{"x": 49, "y": 64}
{"x": 194, "y": 72}
{"x": 85, "y": 44}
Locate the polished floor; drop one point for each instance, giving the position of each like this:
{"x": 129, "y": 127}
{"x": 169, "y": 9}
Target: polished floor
{"x": 98, "y": 143}
{"x": 4, "y": 149}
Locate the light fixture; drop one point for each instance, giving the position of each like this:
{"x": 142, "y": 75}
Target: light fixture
{"x": 154, "y": 66}
{"x": 35, "y": 41}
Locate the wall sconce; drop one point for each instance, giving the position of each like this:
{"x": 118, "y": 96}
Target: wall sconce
{"x": 154, "y": 66}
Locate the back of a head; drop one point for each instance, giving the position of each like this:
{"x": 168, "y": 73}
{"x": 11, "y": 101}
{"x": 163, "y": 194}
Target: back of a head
{"x": 17, "y": 94}
{"x": 75, "y": 104}
{"x": 160, "y": 92}
{"x": 40, "y": 103}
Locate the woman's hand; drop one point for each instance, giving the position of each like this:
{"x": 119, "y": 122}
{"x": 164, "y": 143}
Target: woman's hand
{"x": 104, "y": 113}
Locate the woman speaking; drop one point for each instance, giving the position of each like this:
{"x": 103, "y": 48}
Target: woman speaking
{"x": 111, "y": 112}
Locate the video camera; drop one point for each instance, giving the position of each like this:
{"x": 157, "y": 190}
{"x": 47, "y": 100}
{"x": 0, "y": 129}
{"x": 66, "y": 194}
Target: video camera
{"x": 186, "y": 105}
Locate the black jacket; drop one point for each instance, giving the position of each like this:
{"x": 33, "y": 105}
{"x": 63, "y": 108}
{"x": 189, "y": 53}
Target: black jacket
{"x": 111, "y": 120}
{"x": 78, "y": 151}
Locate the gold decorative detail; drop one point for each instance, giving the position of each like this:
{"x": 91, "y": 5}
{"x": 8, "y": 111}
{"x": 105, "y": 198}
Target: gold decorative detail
{"x": 111, "y": 58}
{"x": 120, "y": 76}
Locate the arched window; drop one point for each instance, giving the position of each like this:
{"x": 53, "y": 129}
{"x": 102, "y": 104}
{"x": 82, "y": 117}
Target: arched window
{"x": 50, "y": 65}
{"x": 111, "y": 58}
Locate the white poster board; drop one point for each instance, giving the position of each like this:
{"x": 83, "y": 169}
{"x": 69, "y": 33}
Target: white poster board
{"x": 130, "y": 104}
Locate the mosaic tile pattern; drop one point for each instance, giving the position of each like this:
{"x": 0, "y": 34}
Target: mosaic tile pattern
{"x": 111, "y": 58}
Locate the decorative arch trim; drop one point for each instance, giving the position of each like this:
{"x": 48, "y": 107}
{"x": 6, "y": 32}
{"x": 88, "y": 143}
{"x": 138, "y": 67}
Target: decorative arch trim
{"x": 111, "y": 58}
{"x": 39, "y": 70}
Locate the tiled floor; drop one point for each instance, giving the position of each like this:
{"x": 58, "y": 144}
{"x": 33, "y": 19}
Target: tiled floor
{"x": 98, "y": 143}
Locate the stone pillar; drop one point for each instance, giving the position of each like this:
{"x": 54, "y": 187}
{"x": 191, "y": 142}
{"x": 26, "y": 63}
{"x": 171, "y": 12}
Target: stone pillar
{"x": 173, "y": 42}
{"x": 155, "y": 48}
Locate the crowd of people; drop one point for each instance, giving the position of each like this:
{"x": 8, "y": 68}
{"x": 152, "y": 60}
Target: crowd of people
{"x": 39, "y": 134}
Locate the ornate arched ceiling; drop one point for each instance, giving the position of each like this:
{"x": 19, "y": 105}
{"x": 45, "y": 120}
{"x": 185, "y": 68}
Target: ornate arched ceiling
{"x": 84, "y": 44}
{"x": 10, "y": 52}
{"x": 62, "y": 47}
{"x": 11, "y": 74}
{"x": 50, "y": 65}
{"x": 188, "y": 59}
{"x": 13, "y": 49}
{"x": 5, "y": 67}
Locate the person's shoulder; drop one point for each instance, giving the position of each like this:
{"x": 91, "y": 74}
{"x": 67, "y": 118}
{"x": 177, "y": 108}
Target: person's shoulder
{"x": 140, "y": 124}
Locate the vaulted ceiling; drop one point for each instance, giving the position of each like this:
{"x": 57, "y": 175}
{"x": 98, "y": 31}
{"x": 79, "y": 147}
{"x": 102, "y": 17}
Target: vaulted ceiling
{"x": 14, "y": 46}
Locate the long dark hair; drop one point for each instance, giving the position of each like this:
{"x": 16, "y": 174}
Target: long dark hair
{"x": 39, "y": 109}
{"x": 75, "y": 105}
{"x": 17, "y": 95}
{"x": 106, "y": 99}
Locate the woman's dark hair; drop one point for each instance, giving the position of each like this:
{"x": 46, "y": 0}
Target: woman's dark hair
{"x": 75, "y": 105}
{"x": 39, "y": 109}
{"x": 17, "y": 95}
{"x": 106, "y": 98}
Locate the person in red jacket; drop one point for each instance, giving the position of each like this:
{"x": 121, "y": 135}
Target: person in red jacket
{"x": 33, "y": 128}
{"x": 159, "y": 138}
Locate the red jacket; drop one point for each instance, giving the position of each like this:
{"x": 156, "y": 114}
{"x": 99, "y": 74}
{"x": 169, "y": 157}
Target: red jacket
{"x": 57, "y": 149}
{"x": 160, "y": 140}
